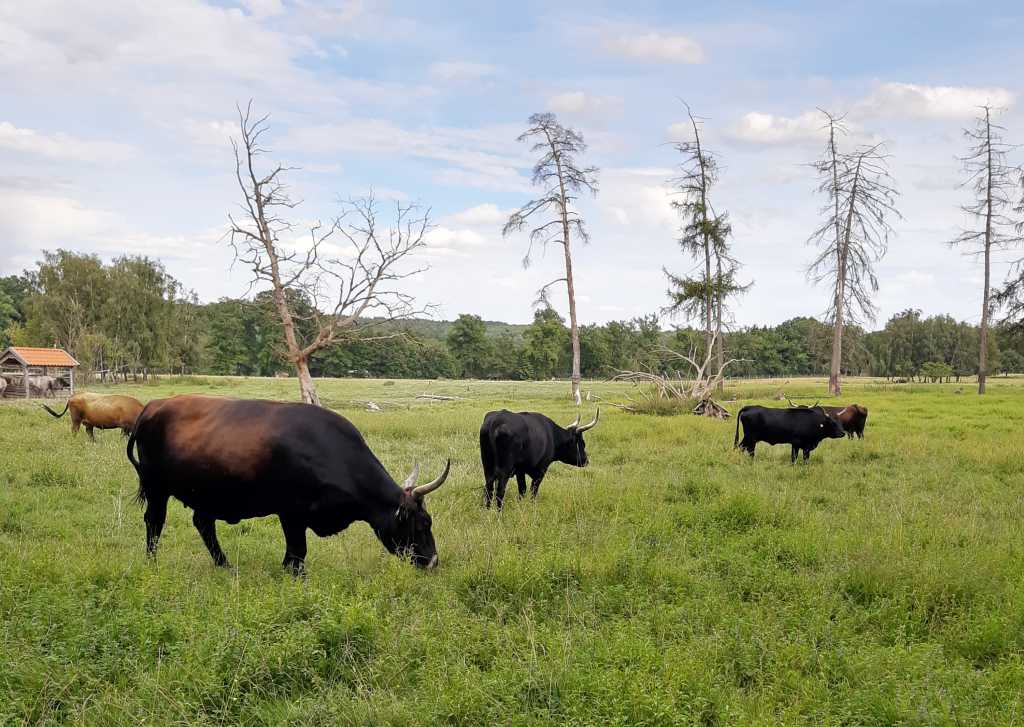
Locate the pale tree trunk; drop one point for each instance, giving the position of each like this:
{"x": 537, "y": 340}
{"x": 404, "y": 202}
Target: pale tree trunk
{"x": 574, "y": 332}
{"x": 983, "y": 337}
{"x": 834, "y": 384}
{"x": 719, "y": 353}
{"x": 306, "y": 387}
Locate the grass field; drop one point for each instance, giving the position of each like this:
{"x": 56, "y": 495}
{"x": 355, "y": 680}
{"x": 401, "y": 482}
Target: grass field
{"x": 674, "y": 581}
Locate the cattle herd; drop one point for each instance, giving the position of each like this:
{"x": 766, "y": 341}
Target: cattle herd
{"x": 232, "y": 459}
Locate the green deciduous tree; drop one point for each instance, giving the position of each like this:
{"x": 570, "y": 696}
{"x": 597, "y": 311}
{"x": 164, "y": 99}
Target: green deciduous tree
{"x": 468, "y": 343}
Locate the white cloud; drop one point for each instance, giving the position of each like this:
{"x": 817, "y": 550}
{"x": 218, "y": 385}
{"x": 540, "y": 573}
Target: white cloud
{"x": 61, "y": 146}
{"x": 210, "y": 133}
{"x": 581, "y": 103}
{"x": 940, "y": 102}
{"x": 654, "y": 46}
{"x": 485, "y": 157}
{"x": 769, "y": 129}
{"x": 264, "y": 8}
{"x": 460, "y": 71}
{"x": 482, "y": 215}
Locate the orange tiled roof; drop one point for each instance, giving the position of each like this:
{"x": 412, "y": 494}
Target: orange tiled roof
{"x": 41, "y": 356}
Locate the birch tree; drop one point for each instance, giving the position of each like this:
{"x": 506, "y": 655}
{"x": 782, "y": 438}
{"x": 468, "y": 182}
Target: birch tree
{"x": 327, "y": 288}
{"x": 993, "y": 180}
{"x": 855, "y": 235}
{"x": 552, "y": 217}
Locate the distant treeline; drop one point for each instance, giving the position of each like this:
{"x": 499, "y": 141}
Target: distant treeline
{"x": 131, "y": 317}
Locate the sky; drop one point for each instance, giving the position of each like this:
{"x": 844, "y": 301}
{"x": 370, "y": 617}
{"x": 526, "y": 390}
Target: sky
{"x": 116, "y": 119}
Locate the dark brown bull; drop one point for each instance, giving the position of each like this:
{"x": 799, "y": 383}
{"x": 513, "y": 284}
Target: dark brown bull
{"x": 100, "y": 411}
{"x": 233, "y": 459}
{"x": 853, "y": 417}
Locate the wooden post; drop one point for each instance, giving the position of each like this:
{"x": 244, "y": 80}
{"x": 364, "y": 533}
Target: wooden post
{"x": 24, "y": 374}
{"x": 71, "y": 379}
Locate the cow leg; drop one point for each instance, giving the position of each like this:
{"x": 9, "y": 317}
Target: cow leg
{"x": 792, "y": 454}
{"x": 207, "y": 528}
{"x": 807, "y": 454}
{"x": 500, "y": 494}
{"x": 155, "y": 515}
{"x": 488, "y": 491}
{"x": 88, "y": 430}
{"x": 521, "y": 484}
{"x": 748, "y": 447}
{"x": 294, "y": 545}
{"x": 535, "y": 484}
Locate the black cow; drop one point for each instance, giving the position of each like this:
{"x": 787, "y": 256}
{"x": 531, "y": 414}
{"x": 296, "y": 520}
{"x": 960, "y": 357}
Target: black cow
{"x": 803, "y": 428}
{"x": 231, "y": 459}
{"x": 526, "y": 443}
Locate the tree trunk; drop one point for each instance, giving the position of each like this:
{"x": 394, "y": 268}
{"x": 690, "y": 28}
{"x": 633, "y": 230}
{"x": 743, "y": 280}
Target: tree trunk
{"x": 719, "y": 352}
{"x": 306, "y": 387}
{"x": 983, "y": 338}
{"x": 574, "y": 331}
{"x": 834, "y": 384}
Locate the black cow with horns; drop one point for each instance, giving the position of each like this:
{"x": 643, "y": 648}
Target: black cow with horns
{"x": 232, "y": 459}
{"x": 803, "y": 428}
{"x": 526, "y": 443}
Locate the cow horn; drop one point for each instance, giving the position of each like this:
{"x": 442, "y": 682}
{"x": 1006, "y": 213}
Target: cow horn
{"x": 575, "y": 422}
{"x": 795, "y": 406}
{"x": 816, "y": 404}
{"x": 434, "y": 484}
{"x": 410, "y": 481}
{"x": 597, "y": 416}
{"x": 842, "y": 411}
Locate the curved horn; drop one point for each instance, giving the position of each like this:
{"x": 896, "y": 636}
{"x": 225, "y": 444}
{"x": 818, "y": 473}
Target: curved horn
{"x": 575, "y": 422}
{"x": 410, "y": 481}
{"x": 842, "y": 411}
{"x": 816, "y": 404}
{"x": 433, "y": 484}
{"x": 592, "y": 424}
{"x": 795, "y": 406}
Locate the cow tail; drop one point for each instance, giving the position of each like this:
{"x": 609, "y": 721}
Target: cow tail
{"x": 55, "y": 414}
{"x": 140, "y": 496}
{"x": 736, "y": 438}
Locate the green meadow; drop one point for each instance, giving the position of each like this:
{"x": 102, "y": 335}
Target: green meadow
{"x": 674, "y": 581}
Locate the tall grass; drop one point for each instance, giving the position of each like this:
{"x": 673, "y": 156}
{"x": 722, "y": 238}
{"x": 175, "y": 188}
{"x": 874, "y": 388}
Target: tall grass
{"x": 674, "y": 581}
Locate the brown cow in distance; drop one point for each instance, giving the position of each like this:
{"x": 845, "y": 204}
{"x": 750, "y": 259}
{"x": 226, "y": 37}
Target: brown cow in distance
{"x": 853, "y": 417}
{"x": 100, "y": 411}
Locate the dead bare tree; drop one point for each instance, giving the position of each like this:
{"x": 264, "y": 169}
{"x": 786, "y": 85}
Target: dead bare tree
{"x": 562, "y": 178}
{"x": 991, "y": 178}
{"x": 698, "y": 386}
{"x": 855, "y": 235}
{"x": 704, "y": 235}
{"x": 343, "y": 276}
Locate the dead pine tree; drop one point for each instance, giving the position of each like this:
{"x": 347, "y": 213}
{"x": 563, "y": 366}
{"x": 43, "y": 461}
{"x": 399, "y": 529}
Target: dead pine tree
{"x": 320, "y": 299}
{"x": 993, "y": 181}
{"x": 855, "y": 235}
{"x": 552, "y": 217}
{"x": 704, "y": 236}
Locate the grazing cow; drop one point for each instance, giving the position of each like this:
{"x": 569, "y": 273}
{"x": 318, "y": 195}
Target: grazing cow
{"x": 526, "y": 443}
{"x": 803, "y": 428}
{"x": 853, "y": 417}
{"x": 100, "y": 411}
{"x": 232, "y": 459}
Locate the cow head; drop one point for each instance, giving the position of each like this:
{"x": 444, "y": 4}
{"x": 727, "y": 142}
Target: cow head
{"x": 573, "y": 450}
{"x": 829, "y": 427}
{"x": 411, "y": 534}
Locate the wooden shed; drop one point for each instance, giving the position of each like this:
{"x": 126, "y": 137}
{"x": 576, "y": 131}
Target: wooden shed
{"x": 42, "y": 372}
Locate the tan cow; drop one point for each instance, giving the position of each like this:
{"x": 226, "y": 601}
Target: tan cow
{"x": 100, "y": 411}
